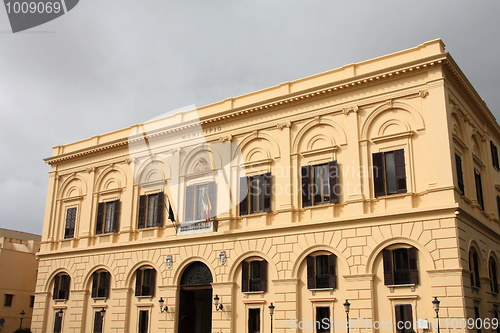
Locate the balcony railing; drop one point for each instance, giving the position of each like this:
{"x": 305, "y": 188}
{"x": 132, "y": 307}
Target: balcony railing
{"x": 196, "y": 227}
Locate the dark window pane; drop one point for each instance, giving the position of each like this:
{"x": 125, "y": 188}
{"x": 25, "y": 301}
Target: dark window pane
{"x": 57, "y": 323}
{"x": 476, "y": 313}
{"x": 69, "y": 229}
{"x": 322, "y": 322}
{"x": 255, "y": 276}
{"x": 322, "y": 275}
{"x": 8, "y": 300}
{"x": 152, "y": 209}
{"x": 110, "y": 213}
{"x": 253, "y": 320}
{"x": 401, "y": 264}
{"x": 32, "y": 301}
{"x": 390, "y": 167}
{"x": 143, "y": 321}
{"x": 101, "y": 290}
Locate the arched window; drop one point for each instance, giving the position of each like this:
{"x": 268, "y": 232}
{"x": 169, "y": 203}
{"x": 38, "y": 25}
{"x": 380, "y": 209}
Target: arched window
{"x": 322, "y": 271}
{"x": 474, "y": 269}
{"x": 400, "y": 266}
{"x": 61, "y": 287}
{"x": 493, "y": 276}
{"x": 145, "y": 282}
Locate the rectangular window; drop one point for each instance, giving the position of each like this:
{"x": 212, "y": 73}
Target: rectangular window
{"x": 143, "y": 321}
{"x": 389, "y": 173}
{"x": 58, "y": 323}
{"x": 493, "y": 276}
{"x": 151, "y": 210}
{"x": 495, "y": 315}
{"x": 100, "y": 284}
{"x": 460, "y": 174}
{"x": 479, "y": 189}
{"x": 32, "y": 301}
{"x": 404, "y": 318}
{"x": 254, "y": 275}
{"x": 253, "y": 320}
{"x": 69, "y": 230}
{"x": 400, "y": 266}
{"x": 145, "y": 282}
{"x": 107, "y": 217}
{"x": 320, "y": 184}
{"x": 200, "y": 202}
{"x": 255, "y": 194}
{"x": 322, "y": 323}
{"x": 474, "y": 270}
{"x": 476, "y": 314}
{"x": 321, "y": 271}
{"x": 8, "y": 300}
{"x": 494, "y": 155}
{"x": 98, "y": 320}
{"x": 61, "y": 286}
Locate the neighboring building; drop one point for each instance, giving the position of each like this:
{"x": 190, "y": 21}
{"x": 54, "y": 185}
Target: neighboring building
{"x": 377, "y": 182}
{"x": 18, "y": 270}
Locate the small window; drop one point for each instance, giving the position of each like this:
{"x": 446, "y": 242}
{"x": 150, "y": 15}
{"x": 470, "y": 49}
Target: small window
{"x": 474, "y": 269}
{"x": 320, "y": 184}
{"x": 495, "y": 315}
{"x": 404, "y": 318}
{"x": 8, "y": 300}
{"x": 98, "y": 321}
{"x": 494, "y": 155}
{"x": 58, "y": 323}
{"x": 253, "y": 320}
{"x": 460, "y": 174}
{"x": 321, "y": 272}
{"x": 107, "y": 217}
{"x": 389, "y": 172}
{"x": 478, "y": 319}
{"x": 493, "y": 276}
{"x": 100, "y": 284}
{"x": 400, "y": 266}
{"x": 145, "y": 282}
{"x": 151, "y": 210}
{"x": 69, "y": 230}
{"x": 200, "y": 202}
{"x": 32, "y": 301}
{"x": 255, "y": 194}
{"x": 254, "y": 276}
{"x": 322, "y": 323}
{"x": 61, "y": 287}
{"x": 479, "y": 189}
{"x": 143, "y": 321}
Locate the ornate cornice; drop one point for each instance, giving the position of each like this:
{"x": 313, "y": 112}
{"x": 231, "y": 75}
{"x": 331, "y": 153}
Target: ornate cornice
{"x": 274, "y": 103}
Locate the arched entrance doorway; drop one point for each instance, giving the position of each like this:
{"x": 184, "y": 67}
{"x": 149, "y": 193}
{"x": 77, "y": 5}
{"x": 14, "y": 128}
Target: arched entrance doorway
{"x": 195, "y": 299}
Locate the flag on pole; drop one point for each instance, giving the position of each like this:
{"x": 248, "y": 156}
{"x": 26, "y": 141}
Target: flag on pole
{"x": 171, "y": 216}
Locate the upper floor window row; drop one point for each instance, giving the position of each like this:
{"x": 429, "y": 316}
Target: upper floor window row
{"x": 255, "y": 194}
{"x": 108, "y": 214}
{"x": 151, "y": 210}
{"x": 320, "y": 184}
{"x": 494, "y": 155}
{"x": 389, "y": 172}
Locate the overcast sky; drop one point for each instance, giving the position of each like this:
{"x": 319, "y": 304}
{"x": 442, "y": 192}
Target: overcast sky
{"x": 107, "y": 64}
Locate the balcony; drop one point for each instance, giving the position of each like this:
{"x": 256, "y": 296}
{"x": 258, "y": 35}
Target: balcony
{"x": 196, "y": 227}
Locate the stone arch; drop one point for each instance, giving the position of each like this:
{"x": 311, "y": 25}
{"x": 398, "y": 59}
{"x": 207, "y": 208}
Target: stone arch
{"x": 315, "y": 248}
{"x": 397, "y": 240}
{"x": 337, "y": 137}
{"x": 142, "y": 263}
{"x": 87, "y": 279}
{"x": 74, "y": 185}
{"x": 152, "y": 171}
{"x": 476, "y": 147}
{"x": 393, "y": 126}
{"x": 414, "y": 122}
{"x": 481, "y": 260}
{"x": 185, "y": 263}
{"x": 273, "y": 152}
{"x": 104, "y": 180}
{"x": 49, "y": 280}
{"x": 196, "y": 273}
{"x": 271, "y": 265}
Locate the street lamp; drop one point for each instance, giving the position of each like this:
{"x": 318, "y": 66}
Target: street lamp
{"x": 435, "y": 304}
{"x": 22, "y": 316}
{"x": 162, "y": 308}
{"x": 102, "y": 312}
{"x": 347, "y": 306}
{"x": 60, "y": 313}
{"x": 271, "y": 312}
{"x": 216, "y": 302}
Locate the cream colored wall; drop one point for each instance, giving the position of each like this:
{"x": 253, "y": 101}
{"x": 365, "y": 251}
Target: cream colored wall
{"x": 18, "y": 269}
{"x": 405, "y": 107}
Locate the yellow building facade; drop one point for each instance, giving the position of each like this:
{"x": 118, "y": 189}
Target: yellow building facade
{"x": 18, "y": 273}
{"x": 377, "y": 183}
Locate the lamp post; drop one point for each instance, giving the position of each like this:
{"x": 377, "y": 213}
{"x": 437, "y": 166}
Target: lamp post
{"x": 271, "y": 312}
{"x": 435, "y": 304}
{"x": 22, "y": 316}
{"x": 347, "y": 306}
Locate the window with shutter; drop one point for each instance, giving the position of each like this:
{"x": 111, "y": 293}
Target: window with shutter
{"x": 201, "y": 202}
{"x": 254, "y": 276}
{"x": 255, "y": 194}
{"x": 244, "y": 197}
{"x": 57, "y": 323}
{"x": 493, "y": 276}
{"x": 145, "y": 282}
{"x": 151, "y": 210}
{"x": 478, "y": 319}
{"x": 321, "y": 272}
{"x": 320, "y": 184}
{"x": 305, "y": 172}
{"x": 69, "y": 230}
{"x": 400, "y": 266}
{"x": 143, "y": 321}
{"x": 98, "y": 319}
{"x": 322, "y": 322}
{"x": 100, "y": 284}
{"x": 474, "y": 269}
{"x": 389, "y": 172}
{"x": 253, "y": 320}
{"x": 479, "y": 189}
{"x": 460, "y": 174}
{"x": 61, "y": 287}
{"x": 108, "y": 214}
{"x": 494, "y": 155}
{"x": 404, "y": 318}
